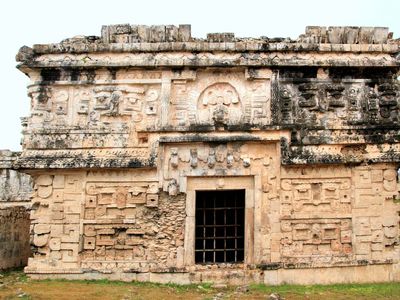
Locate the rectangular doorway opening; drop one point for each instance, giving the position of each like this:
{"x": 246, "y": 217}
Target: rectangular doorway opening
{"x": 220, "y": 226}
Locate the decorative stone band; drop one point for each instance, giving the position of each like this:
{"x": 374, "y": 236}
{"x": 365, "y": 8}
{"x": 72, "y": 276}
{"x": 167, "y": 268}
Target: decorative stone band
{"x": 60, "y": 159}
{"x": 339, "y": 154}
{"x": 215, "y": 58}
{"x": 242, "y": 46}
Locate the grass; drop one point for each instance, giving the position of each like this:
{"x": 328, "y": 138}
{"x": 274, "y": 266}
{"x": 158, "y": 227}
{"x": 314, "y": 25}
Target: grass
{"x": 336, "y": 291}
{"x": 16, "y": 285}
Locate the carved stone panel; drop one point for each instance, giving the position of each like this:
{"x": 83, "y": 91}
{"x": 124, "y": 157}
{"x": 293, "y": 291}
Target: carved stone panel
{"x": 220, "y": 99}
{"x": 331, "y": 104}
{"x": 218, "y": 159}
{"x": 313, "y": 197}
{"x": 138, "y": 104}
{"x": 117, "y": 202}
{"x": 56, "y": 220}
{"x": 315, "y": 241}
{"x": 219, "y": 104}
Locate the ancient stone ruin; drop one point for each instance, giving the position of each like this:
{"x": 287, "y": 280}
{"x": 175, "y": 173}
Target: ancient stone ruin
{"x": 15, "y": 190}
{"x": 158, "y": 156}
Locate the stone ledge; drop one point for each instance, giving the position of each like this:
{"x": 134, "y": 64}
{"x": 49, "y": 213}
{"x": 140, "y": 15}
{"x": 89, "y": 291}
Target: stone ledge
{"x": 254, "y": 46}
{"x": 126, "y": 38}
{"x": 211, "y": 59}
{"x": 300, "y": 156}
{"x": 82, "y": 163}
{"x": 7, "y": 158}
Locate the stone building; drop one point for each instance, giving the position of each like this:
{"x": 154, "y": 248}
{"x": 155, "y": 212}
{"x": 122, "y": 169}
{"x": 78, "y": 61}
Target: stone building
{"x": 15, "y": 190}
{"x": 158, "y": 156}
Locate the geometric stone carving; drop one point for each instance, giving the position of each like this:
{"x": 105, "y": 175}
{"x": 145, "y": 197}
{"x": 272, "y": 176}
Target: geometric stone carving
{"x": 116, "y": 200}
{"x": 316, "y": 195}
{"x": 127, "y": 128}
{"x": 317, "y": 238}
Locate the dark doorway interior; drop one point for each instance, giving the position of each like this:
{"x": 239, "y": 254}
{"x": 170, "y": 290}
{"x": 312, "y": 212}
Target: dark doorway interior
{"x": 220, "y": 226}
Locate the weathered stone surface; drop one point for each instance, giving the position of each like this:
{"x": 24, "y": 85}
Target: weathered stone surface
{"x": 14, "y": 236}
{"x": 126, "y": 128}
{"x": 15, "y": 192}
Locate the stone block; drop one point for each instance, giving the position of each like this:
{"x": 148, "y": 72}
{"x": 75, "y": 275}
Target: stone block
{"x": 184, "y": 32}
{"x": 40, "y": 240}
{"x": 390, "y": 231}
{"x": 91, "y": 201}
{"x": 58, "y": 196}
{"x": 89, "y": 243}
{"x": 157, "y": 33}
{"x": 377, "y": 246}
{"x": 58, "y": 181}
{"x": 362, "y": 249}
{"x": 336, "y": 35}
{"x": 389, "y": 221}
{"x": 57, "y": 215}
{"x": 380, "y": 35}
{"x": 345, "y": 236}
{"x": 44, "y": 180}
{"x": 362, "y": 226}
{"x": 152, "y": 200}
{"x": 55, "y": 244}
{"x": 377, "y": 236}
{"x": 42, "y": 228}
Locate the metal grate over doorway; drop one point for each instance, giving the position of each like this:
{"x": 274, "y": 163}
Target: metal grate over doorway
{"x": 220, "y": 226}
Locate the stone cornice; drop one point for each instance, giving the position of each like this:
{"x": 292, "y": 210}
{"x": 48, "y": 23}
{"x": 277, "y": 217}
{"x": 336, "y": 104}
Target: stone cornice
{"x": 211, "y": 59}
{"x": 171, "y": 46}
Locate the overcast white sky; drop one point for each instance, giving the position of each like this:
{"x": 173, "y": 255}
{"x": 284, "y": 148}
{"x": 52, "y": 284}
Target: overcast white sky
{"x": 28, "y": 22}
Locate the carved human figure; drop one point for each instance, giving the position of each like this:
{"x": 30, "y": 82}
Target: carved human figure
{"x": 174, "y": 160}
{"x": 211, "y": 160}
{"x": 229, "y": 159}
{"x": 173, "y": 187}
{"x": 193, "y": 158}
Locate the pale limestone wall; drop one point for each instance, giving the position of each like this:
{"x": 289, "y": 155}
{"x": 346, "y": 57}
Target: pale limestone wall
{"x": 117, "y": 221}
{"x": 124, "y": 129}
{"x": 334, "y": 216}
{"x": 105, "y": 220}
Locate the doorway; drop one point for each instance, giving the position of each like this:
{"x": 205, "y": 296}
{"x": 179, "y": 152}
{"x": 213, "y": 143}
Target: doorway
{"x": 220, "y": 226}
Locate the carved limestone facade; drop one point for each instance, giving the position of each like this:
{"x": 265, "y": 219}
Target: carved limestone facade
{"x": 128, "y": 130}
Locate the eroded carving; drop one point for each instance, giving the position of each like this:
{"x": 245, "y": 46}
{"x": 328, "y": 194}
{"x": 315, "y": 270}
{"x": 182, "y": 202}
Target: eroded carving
{"x": 122, "y": 127}
{"x": 219, "y": 104}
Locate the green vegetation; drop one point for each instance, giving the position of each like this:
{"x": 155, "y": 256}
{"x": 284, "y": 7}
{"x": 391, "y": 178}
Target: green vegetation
{"x": 16, "y": 285}
{"x": 336, "y": 291}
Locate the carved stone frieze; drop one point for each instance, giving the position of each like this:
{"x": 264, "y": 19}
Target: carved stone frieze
{"x": 315, "y": 240}
{"x": 329, "y": 104}
{"x": 298, "y": 140}
{"x": 217, "y": 101}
